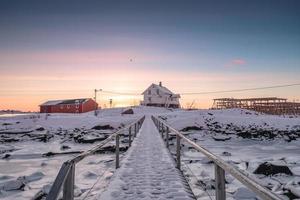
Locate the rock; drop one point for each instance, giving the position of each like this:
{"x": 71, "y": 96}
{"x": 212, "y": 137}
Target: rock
{"x": 12, "y": 185}
{"x": 6, "y": 156}
{"x": 5, "y": 177}
{"x": 221, "y": 138}
{"x": 90, "y": 175}
{"x": 225, "y": 153}
{"x": 205, "y": 160}
{"x": 192, "y": 128}
{"x": 103, "y": 127}
{"x": 43, "y": 192}
{"x": 291, "y": 194}
{"x": 244, "y": 193}
{"x": 81, "y": 139}
{"x": 40, "y": 129}
{"x": 268, "y": 168}
{"x": 128, "y": 111}
{"x": 64, "y": 147}
{"x": 33, "y": 177}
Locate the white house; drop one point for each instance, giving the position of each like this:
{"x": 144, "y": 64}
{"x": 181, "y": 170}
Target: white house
{"x": 160, "y": 96}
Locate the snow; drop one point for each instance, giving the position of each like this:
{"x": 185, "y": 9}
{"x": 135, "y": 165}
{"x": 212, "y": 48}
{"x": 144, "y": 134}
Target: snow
{"x": 244, "y": 153}
{"x": 148, "y": 171}
{"x": 24, "y": 157}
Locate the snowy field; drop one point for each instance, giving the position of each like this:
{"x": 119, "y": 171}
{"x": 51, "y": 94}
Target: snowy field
{"x": 245, "y": 139}
{"x": 33, "y": 147}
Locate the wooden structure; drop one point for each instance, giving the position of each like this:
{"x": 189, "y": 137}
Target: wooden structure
{"x": 65, "y": 179}
{"x": 269, "y": 105}
{"x": 221, "y": 166}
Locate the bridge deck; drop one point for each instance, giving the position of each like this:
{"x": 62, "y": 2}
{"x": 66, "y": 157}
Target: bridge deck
{"x": 148, "y": 171}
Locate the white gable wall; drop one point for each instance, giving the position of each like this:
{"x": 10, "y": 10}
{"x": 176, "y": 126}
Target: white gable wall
{"x": 161, "y": 96}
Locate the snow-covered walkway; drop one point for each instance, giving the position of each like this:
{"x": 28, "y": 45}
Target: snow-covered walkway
{"x": 148, "y": 171}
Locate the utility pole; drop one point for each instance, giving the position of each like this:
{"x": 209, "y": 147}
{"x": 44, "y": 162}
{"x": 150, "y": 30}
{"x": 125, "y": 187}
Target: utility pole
{"x": 96, "y": 106}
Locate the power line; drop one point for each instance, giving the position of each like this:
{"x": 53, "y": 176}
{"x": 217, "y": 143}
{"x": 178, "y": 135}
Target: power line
{"x": 120, "y": 93}
{"x": 48, "y": 92}
{"x": 213, "y": 92}
{"x": 242, "y": 90}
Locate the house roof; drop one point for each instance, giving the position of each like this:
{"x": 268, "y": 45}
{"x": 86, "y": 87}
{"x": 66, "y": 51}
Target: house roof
{"x": 66, "y": 101}
{"x": 161, "y": 88}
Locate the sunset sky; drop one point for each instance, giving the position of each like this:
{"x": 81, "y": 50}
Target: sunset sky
{"x": 66, "y": 49}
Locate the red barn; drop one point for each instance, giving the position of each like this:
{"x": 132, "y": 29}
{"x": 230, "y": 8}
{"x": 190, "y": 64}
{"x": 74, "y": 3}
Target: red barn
{"x": 68, "y": 106}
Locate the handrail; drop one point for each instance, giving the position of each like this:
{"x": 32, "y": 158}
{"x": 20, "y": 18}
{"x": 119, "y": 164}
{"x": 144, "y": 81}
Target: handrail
{"x": 66, "y": 175}
{"x": 220, "y": 165}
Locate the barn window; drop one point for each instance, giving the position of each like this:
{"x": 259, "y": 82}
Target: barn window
{"x": 68, "y": 106}
{"x": 62, "y": 107}
{"x": 77, "y": 106}
{"x": 149, "y": 91}
{"x": 157, "y": 91}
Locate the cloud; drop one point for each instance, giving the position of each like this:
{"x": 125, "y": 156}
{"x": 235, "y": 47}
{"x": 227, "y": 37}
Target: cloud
{"x": 236, "y": 62}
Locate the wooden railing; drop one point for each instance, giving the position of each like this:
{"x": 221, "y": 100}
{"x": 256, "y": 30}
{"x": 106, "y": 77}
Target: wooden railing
{"x": 220, "y": 165}
{"x": 66, "y": 175}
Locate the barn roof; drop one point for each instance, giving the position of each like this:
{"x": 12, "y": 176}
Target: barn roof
{"x": 66, "y": 101}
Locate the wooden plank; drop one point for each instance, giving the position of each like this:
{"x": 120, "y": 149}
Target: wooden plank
{"x": 220, "y": 183}
{"x": 68, "y": 190}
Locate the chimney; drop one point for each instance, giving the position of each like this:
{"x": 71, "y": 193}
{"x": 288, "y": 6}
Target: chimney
{"x": 160, "y": 83}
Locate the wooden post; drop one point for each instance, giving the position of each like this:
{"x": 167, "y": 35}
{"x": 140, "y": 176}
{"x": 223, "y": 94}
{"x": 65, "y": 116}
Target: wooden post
{"x": 220, "y": 183}
{"x": 117, "y": 151}
{"x": 158, "y": 126}
{"x": 135, "y": 130}
{"x": 178, "y": 151}
{"x": 167, "y": 137}
{"x": 129, "y": 137}
{"x": 68, "y": 189}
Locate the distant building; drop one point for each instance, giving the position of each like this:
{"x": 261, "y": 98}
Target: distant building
{"x": 69, "y": 106}
{"x": 160, "y": 96}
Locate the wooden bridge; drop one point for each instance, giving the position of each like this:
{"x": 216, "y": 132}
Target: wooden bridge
{"x": 148, "y": 171}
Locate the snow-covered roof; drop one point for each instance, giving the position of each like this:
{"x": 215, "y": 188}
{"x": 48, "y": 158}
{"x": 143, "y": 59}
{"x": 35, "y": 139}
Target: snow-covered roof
{"x": 66, "y": 101}
{"x": 161, "y": 88}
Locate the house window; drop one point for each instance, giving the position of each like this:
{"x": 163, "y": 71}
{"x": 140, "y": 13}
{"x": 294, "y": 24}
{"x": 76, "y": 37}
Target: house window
{"x": 149, "y": 98}
{"x": 157, "y": 91}
{"x": 149, "y": 91}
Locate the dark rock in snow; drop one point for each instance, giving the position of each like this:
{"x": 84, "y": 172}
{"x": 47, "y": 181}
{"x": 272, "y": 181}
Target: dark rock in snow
{"x": 12, "y": 185}
{"x": 33, "y": 177}
{"x": 40, "y": 129}
{"x": 291, "y": 194}
{"x": 6, "y": 124}
{"x": 267, "y": 169}
{"x": 221, "y": 138}
{"x": 6, "y": 156}
{"x": 50, "y": 153}
{"x": 83, "y": 140}
{"x": 192, "y": 128}
{"x": 128, "y": 111}
{"x": 225, "y": 153}
{"x": 64, "y": 147}
{"x": 244, "y": 193}
{"x": 103, "y": 127}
